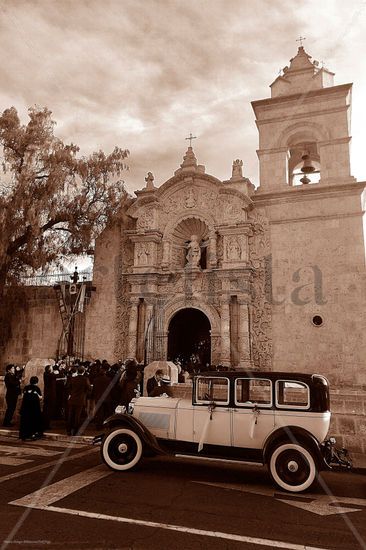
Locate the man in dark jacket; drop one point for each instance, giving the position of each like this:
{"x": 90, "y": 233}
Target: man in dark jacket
{"x": 78, "y": 388}
{"x": 101, "y": 394}
{"x": 156, "y": 385}
{"x": 12, "y": 384}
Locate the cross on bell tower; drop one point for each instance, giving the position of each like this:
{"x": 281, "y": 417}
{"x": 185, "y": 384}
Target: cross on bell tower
{"x": 190, "y": 139}
{"x": 300, "y": 39}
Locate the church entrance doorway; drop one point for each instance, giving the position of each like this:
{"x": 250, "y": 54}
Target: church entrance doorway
{"x": 189, "y": 339}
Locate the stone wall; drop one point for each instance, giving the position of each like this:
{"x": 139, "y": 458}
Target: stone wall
{"x": 348, "y": 422}
{"x": 100, "y": 329}
{"x": 35, "y": 326}
{"x": 318, "y": 268}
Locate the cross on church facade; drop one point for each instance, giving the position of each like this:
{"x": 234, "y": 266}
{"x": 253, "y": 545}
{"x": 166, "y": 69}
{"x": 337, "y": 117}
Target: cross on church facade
{"x": 190, "y": 138}
{"x": 300, "y": 39}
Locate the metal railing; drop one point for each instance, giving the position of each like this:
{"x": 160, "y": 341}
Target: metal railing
{"x": 50, "y": 279}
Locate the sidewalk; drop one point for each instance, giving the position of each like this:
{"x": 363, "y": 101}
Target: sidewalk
{"x": 58, "y": 433}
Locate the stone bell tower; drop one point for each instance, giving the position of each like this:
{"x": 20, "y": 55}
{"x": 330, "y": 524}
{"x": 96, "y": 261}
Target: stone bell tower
{"x": 315, "y": 213}
{"x": 306, "y": 116}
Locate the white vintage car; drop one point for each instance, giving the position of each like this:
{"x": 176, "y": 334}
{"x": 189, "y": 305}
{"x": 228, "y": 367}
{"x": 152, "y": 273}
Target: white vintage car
{"x": 277, "y": 419}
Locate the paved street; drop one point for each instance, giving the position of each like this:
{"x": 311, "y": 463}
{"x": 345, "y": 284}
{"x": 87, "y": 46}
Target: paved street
{"x": 54, "y": 495}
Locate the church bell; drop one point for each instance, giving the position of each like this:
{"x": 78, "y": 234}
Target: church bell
{"x": 307, "y": 167}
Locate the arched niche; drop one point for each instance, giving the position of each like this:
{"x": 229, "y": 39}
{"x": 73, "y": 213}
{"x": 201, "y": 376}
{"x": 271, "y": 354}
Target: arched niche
{"x": 301, "y": 140}
{"x": 178, "y": 234}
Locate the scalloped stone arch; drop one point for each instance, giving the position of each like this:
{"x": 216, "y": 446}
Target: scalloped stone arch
{"x": 300, "y": 132}
{"x": 191, "y": 213}
{"x": 177, "y": 304}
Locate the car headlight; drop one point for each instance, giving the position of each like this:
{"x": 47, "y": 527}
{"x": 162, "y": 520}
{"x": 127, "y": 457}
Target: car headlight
{"x": 120, "y": 409}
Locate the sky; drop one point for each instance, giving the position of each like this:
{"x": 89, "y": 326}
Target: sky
{"x": 144, "y": 74}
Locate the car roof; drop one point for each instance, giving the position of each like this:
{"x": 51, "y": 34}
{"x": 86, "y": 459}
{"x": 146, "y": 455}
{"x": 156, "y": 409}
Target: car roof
{"x": 272, "y": 375}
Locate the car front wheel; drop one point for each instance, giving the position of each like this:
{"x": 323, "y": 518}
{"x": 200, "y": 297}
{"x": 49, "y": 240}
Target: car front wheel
{"x": 121, "y": 449}
{"x": 292, "y": 467}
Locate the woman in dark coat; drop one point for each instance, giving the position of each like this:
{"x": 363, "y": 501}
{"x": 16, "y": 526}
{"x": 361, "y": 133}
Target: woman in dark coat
{"x": 31, "y": 425}
{"x": 49, "y": 396}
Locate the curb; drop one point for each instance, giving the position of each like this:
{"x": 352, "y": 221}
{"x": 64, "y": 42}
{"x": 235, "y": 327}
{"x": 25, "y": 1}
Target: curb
{"x": 84, "y": 439}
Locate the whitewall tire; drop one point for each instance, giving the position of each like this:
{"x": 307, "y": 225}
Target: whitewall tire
{"x": 292, "y": 467}
{"x": 121, "y": 449}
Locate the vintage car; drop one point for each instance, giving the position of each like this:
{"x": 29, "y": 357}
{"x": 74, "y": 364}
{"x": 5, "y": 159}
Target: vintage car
{"x": 277, "y": 419}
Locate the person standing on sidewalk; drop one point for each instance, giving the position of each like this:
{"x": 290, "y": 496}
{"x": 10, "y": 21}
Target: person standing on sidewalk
{"x": 13, "y": 391}
{"x": 78, "y": 388}
{"x": 31, "y": 421}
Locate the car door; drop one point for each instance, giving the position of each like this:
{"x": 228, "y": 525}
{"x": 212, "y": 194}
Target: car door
{"x": 253, "y": 415}
{"x": 211, "y": 412}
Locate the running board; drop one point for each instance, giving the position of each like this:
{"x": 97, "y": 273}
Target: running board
{"x": 228, "y": 461}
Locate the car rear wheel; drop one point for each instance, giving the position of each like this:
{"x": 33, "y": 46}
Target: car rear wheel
{"x": 121, "y": 449}
{"x": 292, "y": 467}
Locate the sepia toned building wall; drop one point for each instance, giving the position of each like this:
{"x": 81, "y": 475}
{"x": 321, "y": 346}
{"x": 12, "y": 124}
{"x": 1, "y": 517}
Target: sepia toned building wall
{"x": 35, "y": 326}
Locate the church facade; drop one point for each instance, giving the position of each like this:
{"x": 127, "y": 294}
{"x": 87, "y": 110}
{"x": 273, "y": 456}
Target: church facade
{"x": 218, "y": 272}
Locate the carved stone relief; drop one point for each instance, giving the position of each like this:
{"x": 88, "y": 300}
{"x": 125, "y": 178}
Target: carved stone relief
{"x": 261, "y": 315}
{"x": 122, "y": 287}
{"x": 233, "y": 249}
{"x": 144, "y": 253}
{"x": 147, "y": 219}
{"x": 190, "y": 198}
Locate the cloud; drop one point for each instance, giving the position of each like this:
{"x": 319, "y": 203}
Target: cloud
{"x": 143, "y": 74}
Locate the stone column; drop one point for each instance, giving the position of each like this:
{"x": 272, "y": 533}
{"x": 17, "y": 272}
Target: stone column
{"x": 132, "y": 328}
{"x": 244, "y": 337}
{"x": 166, "y": 255}
{"x": 225, "y": 330}
{"x": 149, "y": 333}
{"x": 212, "y": 249}
{"x": 160, "y": 336}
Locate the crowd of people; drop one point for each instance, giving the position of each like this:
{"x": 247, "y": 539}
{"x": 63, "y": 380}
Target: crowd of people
{"x": 77, "y": 392}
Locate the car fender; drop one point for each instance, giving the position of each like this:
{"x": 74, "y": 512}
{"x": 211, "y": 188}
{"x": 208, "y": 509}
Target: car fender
{"x": 150, "y": 443}
{"x": 294, "y": 434}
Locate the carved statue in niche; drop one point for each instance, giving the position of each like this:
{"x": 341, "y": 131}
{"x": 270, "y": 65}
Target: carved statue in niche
{"x": 143, "y": 254}
{"x": 233, "y": 249}
{"x": 190, "y": 199}
{"x": 194, "y": 252}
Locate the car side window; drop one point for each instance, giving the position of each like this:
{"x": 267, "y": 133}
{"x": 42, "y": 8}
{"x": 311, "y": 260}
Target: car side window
{"x": 292, "y": 394}
{"x": 212, "y": 389}
{"x": 250, "y": 391}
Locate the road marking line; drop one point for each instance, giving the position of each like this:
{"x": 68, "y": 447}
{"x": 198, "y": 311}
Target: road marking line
{"x": 322, "y": 505}
{"x": 45, "y": 497}
{"x": 10, "y": 461}
{"x": 24, "y": 450}
{"x": 182, "y": 529}
{"x": 48, "y": 464}
{"x": 61, "y": 489}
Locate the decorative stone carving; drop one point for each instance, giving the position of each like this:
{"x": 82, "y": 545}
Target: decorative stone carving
{"x": 261, "y": 309}
{"x": 190, "y": 199}
{"x": 143, "y": 254}
{"x": 166, "y": 253}
{"x": 233, "y": 249}
{"x": 123, "y": 266}
{"x": 147, "y": 219}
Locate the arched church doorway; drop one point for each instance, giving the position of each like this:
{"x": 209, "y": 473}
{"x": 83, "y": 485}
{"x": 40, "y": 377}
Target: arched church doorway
{"x": 189, "y": 338}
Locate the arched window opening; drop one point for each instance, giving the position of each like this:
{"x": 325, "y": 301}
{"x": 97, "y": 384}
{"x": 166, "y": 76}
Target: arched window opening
{"x": 304, "y": 164}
